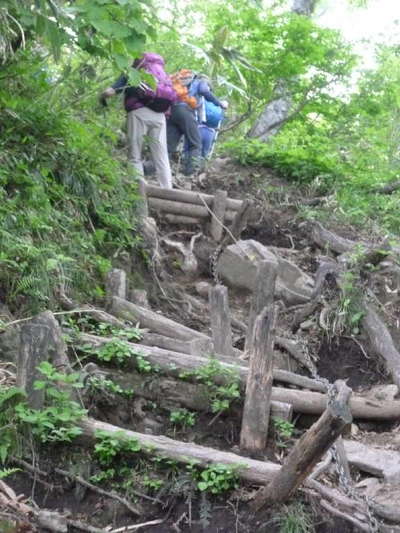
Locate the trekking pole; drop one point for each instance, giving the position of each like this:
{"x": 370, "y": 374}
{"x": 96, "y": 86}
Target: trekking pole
{"x": 214, "y": 140}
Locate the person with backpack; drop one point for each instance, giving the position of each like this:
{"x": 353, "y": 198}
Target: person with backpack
{"x": 146, "y": 108}
{"x": 194, "y": 94}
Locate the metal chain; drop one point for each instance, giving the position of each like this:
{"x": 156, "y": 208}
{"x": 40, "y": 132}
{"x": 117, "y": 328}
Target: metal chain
{"x": 213, "y": 263}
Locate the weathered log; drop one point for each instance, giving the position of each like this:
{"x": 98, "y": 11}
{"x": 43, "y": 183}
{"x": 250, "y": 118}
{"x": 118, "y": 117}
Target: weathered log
{"x": 327, "y": 239}
{"x": 239, "y": 222}
{"x": 256, "y": 411}
{"x": 260, "y": 472}
{"x": 220, "y": 320}
{"x": 169, "y": 392}
{"x": 382, "y": 342}
{"x": 379, "y": 462}
{"x": 313, "y": 403}
{"x": 139, "y": 297}
{"x": 41, "y": 340}
{"x": 189, "y": 197}
{"x": 115, "y": 284}
{"x": 154, "y": 321}
{"x": 179, "y": 208}
{"x": 219, "y": 207}
{"x": 263, "y": 296}
{"x": 197, "y": 346}
{"x": 168, "y": 361}
{"x": 178, "y": 219}
{"x": 309, "y": 449}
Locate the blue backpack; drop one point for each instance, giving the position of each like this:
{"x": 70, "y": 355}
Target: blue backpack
{"x": 214, "y": 114}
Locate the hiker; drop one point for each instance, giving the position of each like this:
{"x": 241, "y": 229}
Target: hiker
{"x": 146, "y": 110}
{"x": 209, "y": 128}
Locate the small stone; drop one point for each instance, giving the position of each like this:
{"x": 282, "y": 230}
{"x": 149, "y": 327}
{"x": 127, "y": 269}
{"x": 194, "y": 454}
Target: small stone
{"x": 202, "y": 288}
{"x": 307, "y": 324}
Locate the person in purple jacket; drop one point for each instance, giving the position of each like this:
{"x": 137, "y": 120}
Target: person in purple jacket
{"x": 146, "y": 109}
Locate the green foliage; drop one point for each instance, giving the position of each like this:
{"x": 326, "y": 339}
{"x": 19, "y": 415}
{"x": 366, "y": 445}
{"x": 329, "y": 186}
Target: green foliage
{"x": 218, "y": 478}
{"x": 110, "y": 446}
{"x": 284, "y": 431}
{"x": 66, "y": 208}
{"x": 220, "y": 395}
{"x": 10, "y": 397}
{"x": 109, "y": 387}
{"x": 56, "y": 422}
{"x": 183, "y": 418}
{"x": 5, "y": 472}
{"x": 294, "y": 518}
{"x": 116, "y": 351}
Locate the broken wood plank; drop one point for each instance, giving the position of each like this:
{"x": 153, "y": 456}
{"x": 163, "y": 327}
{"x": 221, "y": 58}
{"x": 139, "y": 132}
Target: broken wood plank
{"x": 220, "y": 320}
{"x": 303, "y": 401}
{"x": 189, "y": 197}
{"x": 219, "y": 208}
{"x": 256, "y": 411}
{"x": 260, "y": 472}
{"x": 309, "y": 449}
{"x": 263, "y": 295}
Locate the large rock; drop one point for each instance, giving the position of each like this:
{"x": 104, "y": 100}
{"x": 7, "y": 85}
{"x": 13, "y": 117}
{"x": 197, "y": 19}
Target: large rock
{"x": 237, "y": 266}
{"x": 375, "y": 460}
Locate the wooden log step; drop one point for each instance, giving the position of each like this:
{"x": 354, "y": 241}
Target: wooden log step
{"x": 260, "y": 472}
{"x": 189, "y": 197}
{"x": 313, "y": 403}
{"x": 185, "y": 209}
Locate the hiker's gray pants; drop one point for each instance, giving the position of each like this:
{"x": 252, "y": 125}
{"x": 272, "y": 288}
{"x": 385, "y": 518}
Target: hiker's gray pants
{"x": 183, "y": 122}
{"x": 146, "y": 124}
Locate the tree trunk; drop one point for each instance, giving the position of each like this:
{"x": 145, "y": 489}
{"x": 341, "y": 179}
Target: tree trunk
{"x": 278, "y": 110}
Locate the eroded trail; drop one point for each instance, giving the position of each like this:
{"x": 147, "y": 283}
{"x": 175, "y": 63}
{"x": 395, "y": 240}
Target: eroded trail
{"x": 233, "y": 354}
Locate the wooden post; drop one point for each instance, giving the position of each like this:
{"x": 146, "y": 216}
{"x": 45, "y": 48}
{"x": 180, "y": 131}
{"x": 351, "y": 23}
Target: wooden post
{"x": 217, "y": 219}
{"x": 115, "y": 285}
{"x": 220, "y": 320}
{"x": 253, "y": 436}
{"x": 41, "y": 340}
{"x": 143, "y": 208}
{"x": 309, "y": 449}
{"x": 263, "y": 296}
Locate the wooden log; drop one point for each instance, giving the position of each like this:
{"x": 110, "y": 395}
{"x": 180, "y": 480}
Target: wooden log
{"x": 263, "y": 295}
{"x": 309, "y": 449}
{"x": 255, "y": 420}
{"x": 143, "y": 206}
{"x": 327, "y": 239}
{"x": 312, "y": 403}
{"x": 260, "y": 472}
{"x": 239, "y": 222}
{"x": 178, "y": 208}
{"x": 217, "y": 219}
{"x": 382, "y": 342}
{"x": 197, "y": 346}
{"x": 220, "y": 320}
{"x": 190, "y": 197}
{"x": 169, "y": 392}
{"x": 139, "y": 297}
{"x": 115, "y": 285}
{"x": 154, "y": 321}
{"x": 166, "y": 360}
{"x": 178, "y": 219}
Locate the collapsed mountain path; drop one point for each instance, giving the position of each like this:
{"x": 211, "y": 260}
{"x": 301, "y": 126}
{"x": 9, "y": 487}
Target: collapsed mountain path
{"x": 242, "y": 376}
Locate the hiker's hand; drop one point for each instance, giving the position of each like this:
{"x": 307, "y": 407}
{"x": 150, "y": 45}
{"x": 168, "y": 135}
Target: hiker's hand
{"x": 224, "y": 104}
